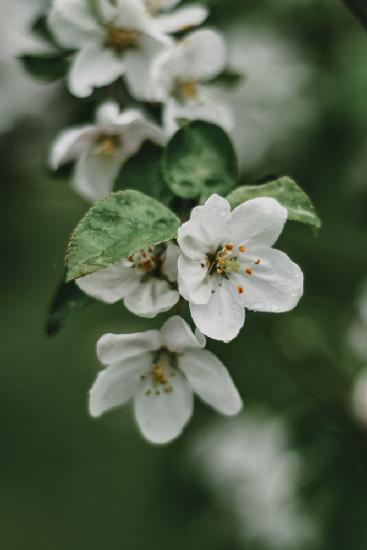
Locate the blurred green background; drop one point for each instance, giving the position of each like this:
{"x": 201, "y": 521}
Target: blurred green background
{"x": 68, "y": 481}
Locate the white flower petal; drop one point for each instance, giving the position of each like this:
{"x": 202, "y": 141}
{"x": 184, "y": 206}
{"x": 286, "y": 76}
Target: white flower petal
{"x": 223, "y": 316}
{"x": 70, "y": 144}
{"x": 117, "y": 384}
{"x": 210, "y": 380}
{"x": 276, "y": 283}
{"x": 72, "y": 23}
{"x": 135, "y": 128}
{"x": 152, "y": 297}
{"x": 194, "y": 281}
{"x": 162, "y": 418}
{"x": 108, "y": 114}
{"x": 95, "y": 173}
{"x": 132, "y": 14}
{"x": 162, "y": 4}
{"x": 204, "y": 108}
{"x": 177, "y": 336}
{"x": 170, "y": 262}
{"x": 203, "y": 55}
{"x": 182, "y": 19}
{"x": 111, "y": 283}
{"x": 108, "y": 10}
{"x": 257, "y": 221}
{"x": 139, "y": 63}
{"x": 94, "y": 66}
{"x": 115, "y": 348}
{"x": 205, "y": 229}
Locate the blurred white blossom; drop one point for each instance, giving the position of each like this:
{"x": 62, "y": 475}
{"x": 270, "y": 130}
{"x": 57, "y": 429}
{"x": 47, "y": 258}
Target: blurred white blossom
{"x": 227, "y": 264}
{"x": 20, "y": 95}
{"x": 99, "y": 150}
{"x": 271, "y": 103}
{"x": 141, "y": 281}
{"x": 247, "y": 464}
{"x": 160, "y": 371}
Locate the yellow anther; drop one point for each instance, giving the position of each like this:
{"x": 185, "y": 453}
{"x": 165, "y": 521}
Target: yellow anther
{"x": 240, "y": 289}
{"x": 107, "y": 145}
{"x": 257, "y": 262}
{"x": 228, "y": 247}
{"x": 122, "y": 38}
{"x": 242, "y": 248}
{"x": 248, "y": 271}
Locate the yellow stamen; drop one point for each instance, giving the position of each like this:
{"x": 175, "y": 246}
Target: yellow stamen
{"x": 257, "y": 262}
{"x": 240, "y": 290}
{"x": 242, "y": 248}
{"x": 248, "y": 271}
{"x": 121, "y": 39}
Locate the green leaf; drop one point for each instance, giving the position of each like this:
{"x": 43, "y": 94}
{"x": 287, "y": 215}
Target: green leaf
{"x": 41, "y": 30}
{"x": 228, "y": 78}
{"x": 287, "y": 192}
{"x": 200, "y": 160}
{"x": 143, "y": 172}
{"x": 114, "y": 228}
{"x": 68, "y": 301}
{"x": 47, "y": 67}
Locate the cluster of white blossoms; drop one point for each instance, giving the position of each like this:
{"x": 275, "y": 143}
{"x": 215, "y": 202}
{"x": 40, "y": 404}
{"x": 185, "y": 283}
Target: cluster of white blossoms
{"x": 133, "y": 39}
{"x": 222, "y": 262}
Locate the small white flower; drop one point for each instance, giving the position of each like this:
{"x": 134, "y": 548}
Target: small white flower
{"x": 228, "y": 264}
{"x": 180, "y": 78}
{"x": 100, "y": 149}
{"x": 111, "y": 39}
{"x": 137, "y": 281}
{"x": 160, "y": 370}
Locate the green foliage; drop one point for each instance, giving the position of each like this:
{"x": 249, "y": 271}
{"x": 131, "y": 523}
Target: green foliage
{"x": 143, "y": 172}
{"x": 68, "y": 301}
{"x": 114, "y": 228}
{"x": 200, "y": 160}
{"x": 42, "y": 31}
{"x": 228, "y": 78}
{"x": 287, "y": 192}
{"x": 46, "y": 67}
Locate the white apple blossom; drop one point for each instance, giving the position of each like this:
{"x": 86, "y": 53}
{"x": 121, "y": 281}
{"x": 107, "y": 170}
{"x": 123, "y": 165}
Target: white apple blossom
{"x": 256, "y": 477}
{"x": 227, "y": 264}
{"x": 100, "y": 149}
{"x": 161, "y": 370}
{"x": 141, "y": 281}
{"x": 180, "y": 77}
{"x": 112, "y": 39}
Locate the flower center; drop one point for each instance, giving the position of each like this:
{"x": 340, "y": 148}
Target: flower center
{"x": 122, "y": 38}
{"x": 185, "y": 89}
{"x": 153, "y": 6}
{"x": 161, "y": 374}
{"x": 146, "y": 260}
{"x": 107, "y": 145}
{"x": 223, "y": 262}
